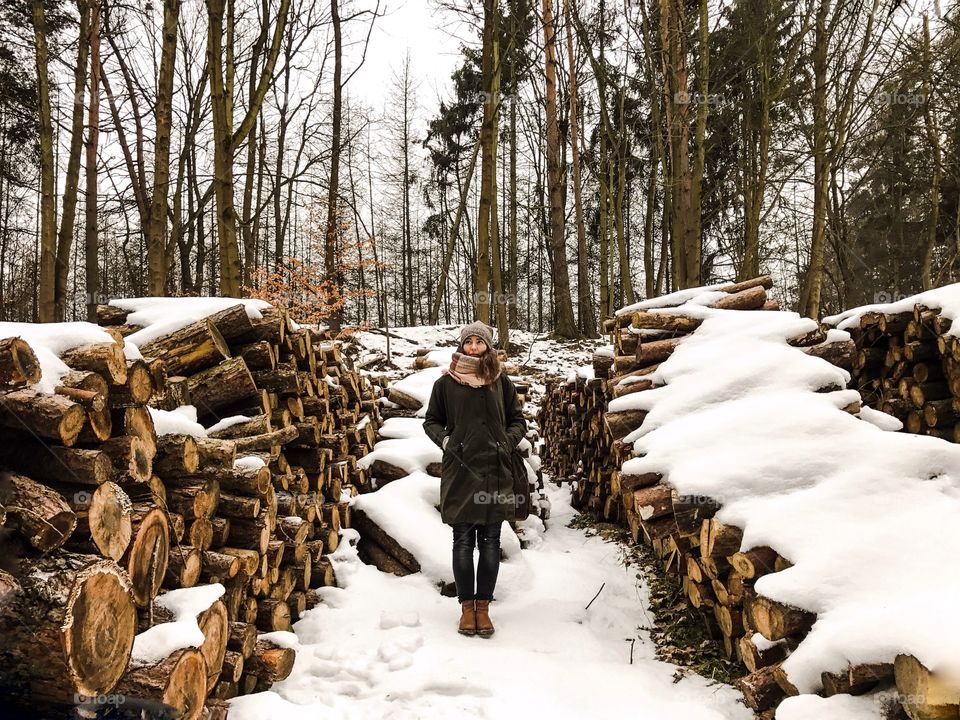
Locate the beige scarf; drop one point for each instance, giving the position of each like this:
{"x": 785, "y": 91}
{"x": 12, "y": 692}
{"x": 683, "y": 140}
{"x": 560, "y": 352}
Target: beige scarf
{"x": 463, "y": 369}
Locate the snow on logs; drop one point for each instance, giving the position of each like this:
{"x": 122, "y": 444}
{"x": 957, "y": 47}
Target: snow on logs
{"x": 111, "y": 500}
{"x": 586, "y": 445}
{"x": 906, "y": 363}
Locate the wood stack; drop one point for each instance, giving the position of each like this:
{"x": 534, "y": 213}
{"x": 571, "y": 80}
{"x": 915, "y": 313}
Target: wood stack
{"x": 587, "y": 442}
{"x": 256, "y": 505}
{"x": 907, "y": 365}
{"x": 585, "y": 445}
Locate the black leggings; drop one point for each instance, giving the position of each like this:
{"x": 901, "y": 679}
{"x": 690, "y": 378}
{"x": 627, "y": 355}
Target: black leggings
{"x": 465, "y": 537}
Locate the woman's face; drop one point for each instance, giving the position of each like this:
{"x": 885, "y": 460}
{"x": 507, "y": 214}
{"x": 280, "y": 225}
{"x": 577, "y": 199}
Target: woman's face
{"x": 474, "y": 345}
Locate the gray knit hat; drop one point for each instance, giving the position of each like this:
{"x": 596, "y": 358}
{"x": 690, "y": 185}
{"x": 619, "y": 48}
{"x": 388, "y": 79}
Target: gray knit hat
{"x": 479, "y": 329}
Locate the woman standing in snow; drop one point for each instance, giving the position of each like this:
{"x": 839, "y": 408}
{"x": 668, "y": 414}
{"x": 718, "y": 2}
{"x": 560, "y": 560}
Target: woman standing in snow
{"x": 474, "y": 414}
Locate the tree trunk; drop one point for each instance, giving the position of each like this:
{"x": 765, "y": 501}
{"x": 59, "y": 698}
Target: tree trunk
{"x": 72, "y": 178}
{"x": 226, "y": 139}
{"x": 48, "y": 219}
{"x": 452, "y": 242}
{"x": 810, "y": 292}
{"x": 933, "y": 137}
{"x": 586, "y": 317}
{"x": 330, "y": 244}
{"x": 157, "y": 260}
{"x": 93, "y": 138}
{"x": 488, "y": 158}
{"x": 564, "y": 325}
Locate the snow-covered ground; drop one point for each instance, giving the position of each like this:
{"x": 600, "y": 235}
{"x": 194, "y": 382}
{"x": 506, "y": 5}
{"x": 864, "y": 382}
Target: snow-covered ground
{"x": 381, "y": 646}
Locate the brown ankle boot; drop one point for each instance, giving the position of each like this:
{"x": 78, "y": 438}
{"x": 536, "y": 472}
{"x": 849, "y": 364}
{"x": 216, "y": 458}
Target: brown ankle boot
{"x": 468, "y": 618}
{"x": 484, "y": 625}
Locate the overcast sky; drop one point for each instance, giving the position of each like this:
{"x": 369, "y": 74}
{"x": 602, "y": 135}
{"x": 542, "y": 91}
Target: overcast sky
{"x": 434, "y": 51}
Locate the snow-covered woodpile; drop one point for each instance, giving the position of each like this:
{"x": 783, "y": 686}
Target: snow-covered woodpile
{"x": 586, "y": 443}
{"x": 907, "y": 364}
{"x": 725, "y": 443}
{"x": 218, "y": 450}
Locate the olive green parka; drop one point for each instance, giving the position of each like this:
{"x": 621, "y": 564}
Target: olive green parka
{"x": 484, "y": 425}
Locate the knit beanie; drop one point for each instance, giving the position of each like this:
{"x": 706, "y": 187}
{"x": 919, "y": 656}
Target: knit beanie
{"x": 479, "y": 329}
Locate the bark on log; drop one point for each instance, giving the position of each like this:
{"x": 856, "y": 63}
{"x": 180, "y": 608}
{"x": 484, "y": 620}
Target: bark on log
{"x": 146, "y": 559}
{"x": 403, "y": 399}
{"x": 841, "y": 354}
{"x": 179, "y": 680}
{"x": 621, "y": 424}
{"x": 18, "y": 363}
{"x": 752, "y": 298}
{"x": 258, "y": 355}
{"x": 374, "y": 554}
{"x": 232, "y": 323}
{"x": 254, "y": 426}
{"x": 925, "y": 695}
{"x": 40, "y": 514}
{"x": 53, "y": 463}
{"x": 366, "y": 526}
{"x": 111, "y": 315}
{"x": 764, "y": 281}
{"x": 176, "y": 455}
{"x": 243, "y": 638}
{"x": 760, "y": 689}
{"x": 70, "y": 630}
{"x": 776, "y": 621}
{"x": 215, "y": 453}
{"x": 105, "y": 359}
{"x": 50, "y": 416}
{"x": 267, "y": 440}
{"x": 754, "y": 562}
{"x": 189, "y": 350}
{"x": 228, "y": 383}
{"x": 240, "y": 481}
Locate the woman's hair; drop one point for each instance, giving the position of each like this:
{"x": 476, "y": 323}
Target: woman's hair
{"x": 488, "y": 363}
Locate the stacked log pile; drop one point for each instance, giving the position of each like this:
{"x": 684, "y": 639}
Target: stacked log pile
{"x": 906, "y": 364}
{"x": 126, "y": 513}
{"x": 585, "y": 444}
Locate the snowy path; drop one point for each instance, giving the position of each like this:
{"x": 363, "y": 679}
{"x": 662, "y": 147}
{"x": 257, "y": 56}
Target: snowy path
{"x": 383, "y": 646}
